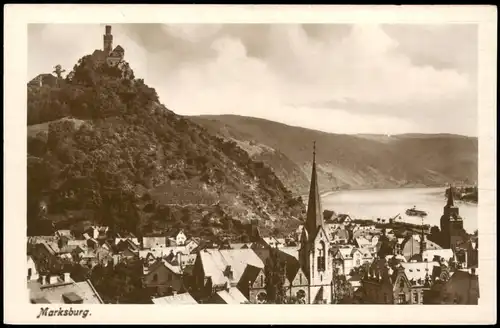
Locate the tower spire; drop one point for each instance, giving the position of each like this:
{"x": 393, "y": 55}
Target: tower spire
{"x": 422, "y": 240}
{"x": 450, "y": 202}
{"x": 314, "y": 152}
{"x": 314, "y": 217}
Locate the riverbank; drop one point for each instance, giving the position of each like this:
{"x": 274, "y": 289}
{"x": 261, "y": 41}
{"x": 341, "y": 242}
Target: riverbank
{"x": 384, "y": 204}
{"x": 326, "y": 192}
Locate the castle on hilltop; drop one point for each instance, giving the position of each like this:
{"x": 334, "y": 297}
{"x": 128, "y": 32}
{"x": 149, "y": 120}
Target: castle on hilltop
{"x": 113, "y": 57}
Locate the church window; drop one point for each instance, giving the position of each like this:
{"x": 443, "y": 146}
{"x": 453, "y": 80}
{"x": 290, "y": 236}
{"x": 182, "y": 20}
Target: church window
{"x": 321, "y": 256}
{"x": 402, "y": 298}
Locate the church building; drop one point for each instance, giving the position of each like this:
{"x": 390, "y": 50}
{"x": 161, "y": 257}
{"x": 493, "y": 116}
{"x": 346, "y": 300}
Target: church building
{"x": 452, "y": 224}
{"x": 315, "y": 255}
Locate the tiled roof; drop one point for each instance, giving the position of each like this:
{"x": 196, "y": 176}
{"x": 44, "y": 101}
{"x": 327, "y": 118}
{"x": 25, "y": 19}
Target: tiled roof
{"x": 156, "y": 265}
{"x": 240, "y": 245}
{"x": 56, "y": 294}
{"x": 346, "y": 252}
{"x": 232, "y": 296}
{"x": 446, "y": 254}
{"x": 152, "y": 242}
{"x": 362, "y": 241}
{"x": 416, "y": 271}
{"x": 216, "y": 261}
{"x": 365, "y": 252}
{"x": 249, "y": 275}
{"x": 184, "y": 298}
{"x": 288, "y": 255}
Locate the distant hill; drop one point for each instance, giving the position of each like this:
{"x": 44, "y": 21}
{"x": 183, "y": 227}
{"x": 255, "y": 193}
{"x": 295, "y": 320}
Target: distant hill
{"x": 103, "y": 149}
{"x": 351, "y": 161}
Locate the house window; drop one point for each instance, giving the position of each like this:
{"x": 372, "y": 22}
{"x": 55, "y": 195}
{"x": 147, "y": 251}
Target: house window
{"x": 402, "y": 298}
{"x": 29, "y": 272}
{"x": 155, "y": 277}
{"x": 300, "y": 278}
{"x": 415, "y": 298}
{"x": 358, "y": 262}
{"x": 386, "y": 298}
{"x": 262, "y": 280}
{"x": 401, "y": 283}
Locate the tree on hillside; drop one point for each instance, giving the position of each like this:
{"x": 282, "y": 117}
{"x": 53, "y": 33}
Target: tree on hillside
{"x": 58, "y": 70}
{"x": 275, "y": 278}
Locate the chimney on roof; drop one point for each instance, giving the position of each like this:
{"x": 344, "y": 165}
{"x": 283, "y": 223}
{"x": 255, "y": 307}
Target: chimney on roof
{"x": 53, "y": 279}
{"x": 67, "y": 277}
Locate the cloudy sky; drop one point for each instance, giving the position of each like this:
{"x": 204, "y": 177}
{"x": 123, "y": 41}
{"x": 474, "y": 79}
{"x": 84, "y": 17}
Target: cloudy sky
{"x": 385, "y": 79}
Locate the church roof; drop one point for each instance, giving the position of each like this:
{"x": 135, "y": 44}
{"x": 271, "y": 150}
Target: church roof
{"x": 450, "y": 202}
{"x": 314, "y": 217}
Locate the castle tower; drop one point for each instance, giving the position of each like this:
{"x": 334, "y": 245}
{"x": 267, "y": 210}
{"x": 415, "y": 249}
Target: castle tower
{"x": 451, "y": 222}
{"x": 314, "y": 253}
{"x": 108, "y": 40}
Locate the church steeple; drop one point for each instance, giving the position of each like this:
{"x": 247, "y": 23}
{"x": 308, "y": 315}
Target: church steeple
{"x": 314, "y": 217}
{"x": 450, "y": 202}
{"x": 423, "y": 244}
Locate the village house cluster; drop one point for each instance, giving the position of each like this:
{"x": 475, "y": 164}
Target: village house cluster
{"x": 382, "y": 265}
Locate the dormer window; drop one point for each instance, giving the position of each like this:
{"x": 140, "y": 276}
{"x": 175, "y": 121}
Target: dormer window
{"x": 228, "y": 272}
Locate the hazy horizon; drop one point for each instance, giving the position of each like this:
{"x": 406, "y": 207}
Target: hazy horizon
{"x": 344, "y": 79}
{"x": 354, "y": 134}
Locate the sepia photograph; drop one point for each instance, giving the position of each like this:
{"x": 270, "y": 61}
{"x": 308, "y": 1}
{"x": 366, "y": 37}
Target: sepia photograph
{"x": 251, "y": 163}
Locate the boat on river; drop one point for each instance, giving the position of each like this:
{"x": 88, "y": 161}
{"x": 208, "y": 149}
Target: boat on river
{"x": 414, "y": 212}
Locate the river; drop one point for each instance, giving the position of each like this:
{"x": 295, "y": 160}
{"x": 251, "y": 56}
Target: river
{"x": 387, "y": 203}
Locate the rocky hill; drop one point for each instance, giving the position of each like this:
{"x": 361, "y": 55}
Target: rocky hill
{"x": 351, "y": 161}
{"x": 103, "y": 149}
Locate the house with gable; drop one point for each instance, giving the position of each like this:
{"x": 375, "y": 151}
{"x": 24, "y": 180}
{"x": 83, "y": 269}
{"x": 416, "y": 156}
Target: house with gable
{"x": 218, "y": 269}
{"x": 348, "y": 257}
{"x": 296, "y": 283}
{"x": 458, "y": 287}
{"x": 397, "y": 282}
{"x": 252, "y": 284}
{"x": 177, "y": 237}
{"x": 162, "y": 278}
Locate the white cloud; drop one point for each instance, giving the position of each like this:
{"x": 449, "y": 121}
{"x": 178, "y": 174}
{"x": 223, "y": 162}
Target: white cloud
{"x": 291, "y": 76}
